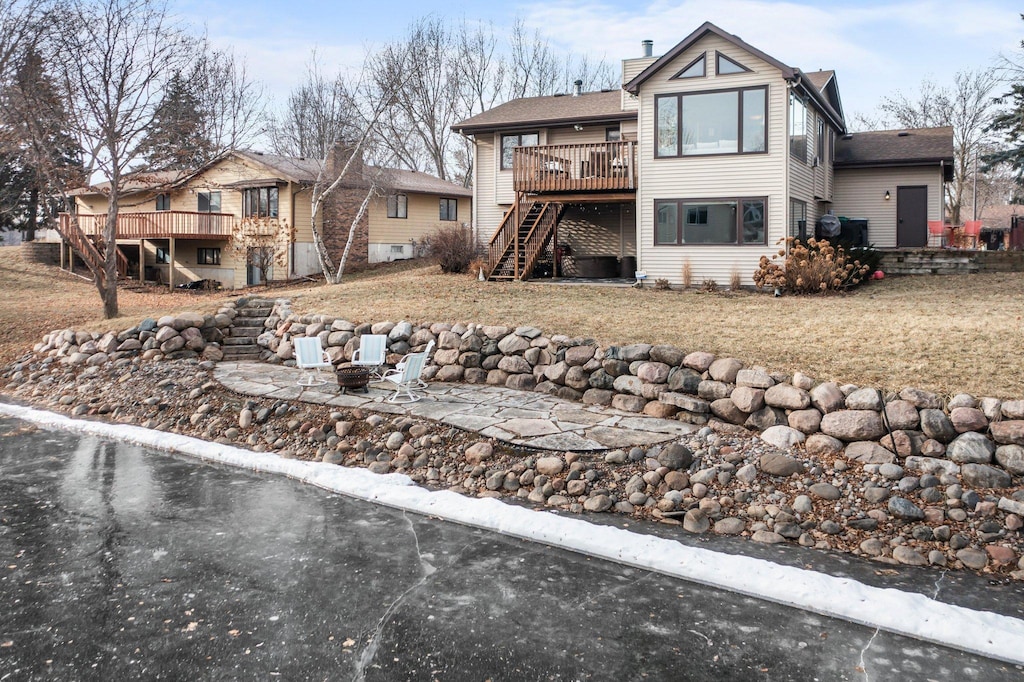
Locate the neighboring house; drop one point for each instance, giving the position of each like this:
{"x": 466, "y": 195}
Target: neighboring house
{"x": 1003, "y": 226}
{"x": 177, "y": 228}
{"x": 707, "y": 158}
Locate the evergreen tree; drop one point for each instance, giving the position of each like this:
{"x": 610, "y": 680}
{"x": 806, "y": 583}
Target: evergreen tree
{"x": 177, "y": 140}
{"x": 37, "y": 154}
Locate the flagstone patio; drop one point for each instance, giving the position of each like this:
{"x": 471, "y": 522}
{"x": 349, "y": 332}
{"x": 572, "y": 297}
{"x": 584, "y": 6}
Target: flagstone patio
{"x": 533, "y": 420}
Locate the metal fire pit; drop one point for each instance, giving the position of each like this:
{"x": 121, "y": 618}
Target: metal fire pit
{"x": 353, "y": 377}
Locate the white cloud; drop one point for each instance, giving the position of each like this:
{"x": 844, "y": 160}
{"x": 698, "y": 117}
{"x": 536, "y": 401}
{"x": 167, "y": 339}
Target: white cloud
{"x": 874, "y": 48}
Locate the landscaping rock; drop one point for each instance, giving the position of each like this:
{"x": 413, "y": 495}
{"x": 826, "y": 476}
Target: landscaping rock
{"x": 778, "y": 464}
{"x": 827, "y": 397}
{"x": 868, "y": 452}
{"x": 968, "y": 419}
{"x": 937, "y": 426}
{"x": 984, "y": 476}
{"x": 902, "y": 415}
{"x": 747, "y": 399}
{"x": 853, "y": 425}
{"x": 864, "y": 399}
{"x": 1008, "y": 432}
{"x": 971, "y": 447}
{"x": 787, "y": 396}
{"x": 783, "y": 437}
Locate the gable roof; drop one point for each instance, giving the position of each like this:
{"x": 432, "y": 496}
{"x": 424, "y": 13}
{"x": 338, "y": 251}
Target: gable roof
{"x": 526, "y": 112}
{"x": 907, "y": 147}
{"x": 999, "y": 217}
{"x": 801, "y": 81}
{"x": 282, "y": 169}
{"x": 825, "y": 82}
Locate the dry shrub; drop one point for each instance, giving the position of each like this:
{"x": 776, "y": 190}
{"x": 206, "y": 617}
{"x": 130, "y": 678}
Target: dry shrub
{"x": 662, "y": 285}
{"x": 687, "y": 273}
{"x": 709, "y": 286}
{"x": 453, "y": 248}
{"x": 475, "y": 266}
{"x": 815, "y": 268}
{"x": 735, "y": 281}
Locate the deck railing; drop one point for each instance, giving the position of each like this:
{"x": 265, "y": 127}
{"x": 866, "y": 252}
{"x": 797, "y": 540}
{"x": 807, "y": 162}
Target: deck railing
{"x": 591, "y": 167}
{"x": 158, "y": 224}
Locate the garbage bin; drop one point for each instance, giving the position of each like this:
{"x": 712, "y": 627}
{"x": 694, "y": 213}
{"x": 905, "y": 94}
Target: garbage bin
{"x": 854, "y": 232}
{"x": 627, "y": 267}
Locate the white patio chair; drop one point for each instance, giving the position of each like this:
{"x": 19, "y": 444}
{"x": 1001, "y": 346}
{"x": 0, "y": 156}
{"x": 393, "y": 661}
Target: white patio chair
{"x": 311, "y": 357}
{"x": 406, "y": 378}
{"x": 420, "y": 383}
{"x": 372, "y": 353}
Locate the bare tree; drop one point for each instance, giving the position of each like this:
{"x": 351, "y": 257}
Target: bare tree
{"x": 319, "y": 112}
{"x": 966, "y": 106}
{"x": 230, "y": 100}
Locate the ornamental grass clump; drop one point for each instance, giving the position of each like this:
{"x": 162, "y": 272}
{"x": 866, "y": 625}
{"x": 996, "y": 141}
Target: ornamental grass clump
{"x": 814, "y": 268}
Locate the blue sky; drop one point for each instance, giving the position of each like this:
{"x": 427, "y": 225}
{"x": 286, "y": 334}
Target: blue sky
{"x": 875, "y": 47}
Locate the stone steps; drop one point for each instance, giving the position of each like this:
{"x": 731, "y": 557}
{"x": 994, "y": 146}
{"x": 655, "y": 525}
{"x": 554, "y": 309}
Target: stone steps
{"x": 247, "y": 325}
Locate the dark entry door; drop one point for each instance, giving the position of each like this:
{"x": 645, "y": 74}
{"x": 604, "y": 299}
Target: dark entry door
{"x": 912, "y": 216}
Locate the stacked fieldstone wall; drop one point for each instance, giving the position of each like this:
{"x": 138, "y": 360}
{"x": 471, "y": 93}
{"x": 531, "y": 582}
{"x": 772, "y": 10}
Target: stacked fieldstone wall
{"x": 981, "y": 438}
{"x": 172, "y": 337}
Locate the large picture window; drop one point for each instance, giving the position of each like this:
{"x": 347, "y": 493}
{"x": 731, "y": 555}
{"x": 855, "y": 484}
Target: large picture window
{"x": 398, "y": 206}
{"x": 260, "y": 202}
{"x": 510, "y": 142}
{"x": 713, "y": 221}
{"x": 718, "y": 122}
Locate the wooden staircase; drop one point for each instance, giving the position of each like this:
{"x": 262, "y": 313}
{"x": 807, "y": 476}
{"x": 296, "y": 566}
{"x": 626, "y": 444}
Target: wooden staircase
{"x": 94, "y": 248}
{"x": 519, "y": 241}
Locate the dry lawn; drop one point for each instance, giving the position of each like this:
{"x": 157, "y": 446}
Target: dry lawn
{"x": 947, "y": 334}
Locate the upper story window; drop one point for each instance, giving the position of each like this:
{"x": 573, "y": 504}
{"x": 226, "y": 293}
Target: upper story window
{"x": 716, "y": 122}
{"x": 821, "y": 141}
{"x": 449, "y": 209}
{"x": 398, "y": 206}
{"x": 510, "y": 142}
{"x": 694, "y": 69}
{"x": 208, "y": 202}
{"x": 718, "y": 221}
{"x": 163, "y": 202}
{"x": 725, "y": 66}
{"x": 612, "y": 134}
{"x": 260, "y": 202}
{"x": 797, "y": 128}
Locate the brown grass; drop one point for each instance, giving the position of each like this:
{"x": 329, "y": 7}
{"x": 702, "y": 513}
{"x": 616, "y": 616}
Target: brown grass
{"x": 947, "y": 334}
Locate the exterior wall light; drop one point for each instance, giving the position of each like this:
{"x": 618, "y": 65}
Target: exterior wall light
{"x": 887, "y": 195}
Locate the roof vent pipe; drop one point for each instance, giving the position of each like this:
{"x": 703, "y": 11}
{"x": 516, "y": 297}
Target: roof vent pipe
{"x": 577, "y": 87}
{"x": 648, "y": 46}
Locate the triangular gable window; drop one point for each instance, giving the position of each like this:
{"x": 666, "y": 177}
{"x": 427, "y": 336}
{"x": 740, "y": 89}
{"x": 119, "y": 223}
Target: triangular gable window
{"x": 725, "y": 66}
{"x": 694, "y": 69}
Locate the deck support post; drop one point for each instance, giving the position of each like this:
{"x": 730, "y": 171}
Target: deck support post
{"x": 142, "y": 261}
{"x": 170, "y": 265}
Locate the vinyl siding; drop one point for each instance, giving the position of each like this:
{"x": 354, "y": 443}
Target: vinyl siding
{"x": 631, "y": 68}
{"x": 860, "y": 193}
{"x": 423, "y": 219}
{"x": 486, "y": 210}
{"x": 711, "y": 177}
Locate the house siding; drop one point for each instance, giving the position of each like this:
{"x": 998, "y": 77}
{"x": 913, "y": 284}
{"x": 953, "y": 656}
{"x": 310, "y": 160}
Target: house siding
{"x": 860, "y": 193}
{"x": 711, "y": 177}
{"x": 423, "y": 219}
{"x": 487, "y": 213}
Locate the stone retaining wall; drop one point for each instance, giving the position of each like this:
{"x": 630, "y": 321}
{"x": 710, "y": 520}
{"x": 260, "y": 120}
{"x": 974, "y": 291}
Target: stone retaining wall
{"x": 172, "y": 337}
{"x": 981, "y": 438}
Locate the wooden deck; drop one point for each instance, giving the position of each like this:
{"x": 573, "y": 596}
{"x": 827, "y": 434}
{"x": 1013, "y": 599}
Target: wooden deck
{"x": 601, "y": 167}
{"x": 158, "y": 224}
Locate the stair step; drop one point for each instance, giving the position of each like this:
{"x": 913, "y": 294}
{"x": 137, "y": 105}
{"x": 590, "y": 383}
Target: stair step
{"x": 239, "y": 341}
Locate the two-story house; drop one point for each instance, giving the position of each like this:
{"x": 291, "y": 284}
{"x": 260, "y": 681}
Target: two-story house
{"x": 181, "y": 227}
{"x": 706, "y": 159}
